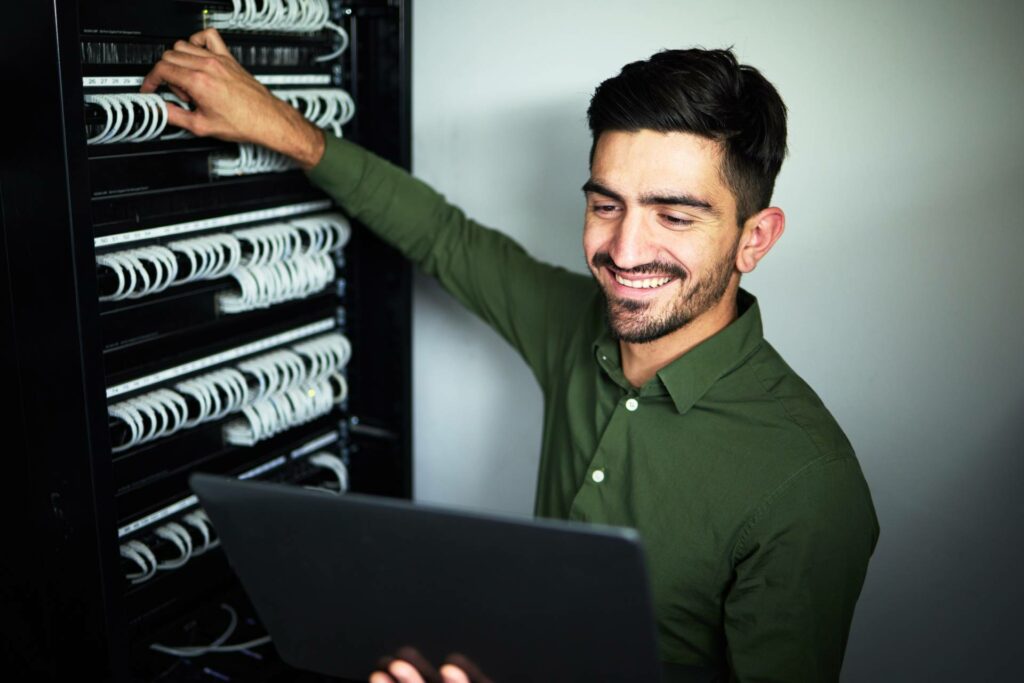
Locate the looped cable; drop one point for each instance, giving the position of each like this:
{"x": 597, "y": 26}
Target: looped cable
{"x": 129, "y": 117}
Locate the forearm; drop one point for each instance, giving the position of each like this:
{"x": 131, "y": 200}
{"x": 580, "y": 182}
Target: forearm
{"x": 524, "y": 300}
{"x": 406, "y": 212}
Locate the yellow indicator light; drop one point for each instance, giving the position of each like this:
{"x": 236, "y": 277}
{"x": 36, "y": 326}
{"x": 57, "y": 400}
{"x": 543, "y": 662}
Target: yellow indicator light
{"x": 311, "y": 392}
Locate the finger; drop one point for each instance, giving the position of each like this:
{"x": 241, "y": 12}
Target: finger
{"x": 189, "y": 61}
{"x": 405, "y": 672}
{"x": 182, "y": 95}
{"x": 211, "y": 40}
{"x": 453, "y": 674}
{"x": 469, "y": 667}
{"x": 185, "y": 46}
{"x": 165, "y": 72}
{"x": 422, "y": 665}
{"x": 381, "y": 677}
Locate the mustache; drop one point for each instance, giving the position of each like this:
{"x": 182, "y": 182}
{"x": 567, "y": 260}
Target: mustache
{"x": 603, "y": 259}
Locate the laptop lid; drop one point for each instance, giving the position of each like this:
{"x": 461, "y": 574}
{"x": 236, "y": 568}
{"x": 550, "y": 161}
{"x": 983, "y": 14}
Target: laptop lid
{"x": 340, "y": 581}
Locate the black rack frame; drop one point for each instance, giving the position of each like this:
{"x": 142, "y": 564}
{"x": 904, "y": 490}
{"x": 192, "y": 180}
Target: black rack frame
{"x": 62, "y": 587}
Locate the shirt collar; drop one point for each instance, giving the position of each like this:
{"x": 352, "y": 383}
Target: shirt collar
{"x": 690, "y": 376}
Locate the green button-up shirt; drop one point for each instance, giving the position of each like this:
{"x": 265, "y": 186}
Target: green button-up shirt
{"x": 753, "y": 510}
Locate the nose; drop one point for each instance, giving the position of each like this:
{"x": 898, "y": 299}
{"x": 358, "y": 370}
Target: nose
{"x": 630, "y": 245}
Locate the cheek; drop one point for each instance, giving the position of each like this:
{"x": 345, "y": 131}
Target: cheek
{"x": 593, "y": 241}
{"x": 700, "y": 263}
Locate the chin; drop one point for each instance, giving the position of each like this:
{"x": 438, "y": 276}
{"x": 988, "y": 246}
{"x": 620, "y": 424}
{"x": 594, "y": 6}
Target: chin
{"x": 633, "y": 327}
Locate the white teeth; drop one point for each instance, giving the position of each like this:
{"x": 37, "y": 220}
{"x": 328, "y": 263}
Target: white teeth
{"x": 647, "y": 283}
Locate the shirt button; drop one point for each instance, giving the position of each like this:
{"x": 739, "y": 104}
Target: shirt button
{"x": 632, "y": 404}
{"x": 597, "y": 476}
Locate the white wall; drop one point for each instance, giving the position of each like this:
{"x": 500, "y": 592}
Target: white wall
{"x": 894, "y": 291}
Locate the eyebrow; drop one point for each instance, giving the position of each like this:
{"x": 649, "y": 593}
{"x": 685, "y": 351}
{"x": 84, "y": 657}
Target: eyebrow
{"x": 653, "y": 199}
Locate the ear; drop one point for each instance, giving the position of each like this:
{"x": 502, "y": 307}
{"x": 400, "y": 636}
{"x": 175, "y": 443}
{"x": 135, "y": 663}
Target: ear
{"x": 760, "y": 232}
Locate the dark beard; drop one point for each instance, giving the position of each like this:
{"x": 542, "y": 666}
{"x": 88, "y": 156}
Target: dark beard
{"x": 626, "y": 320}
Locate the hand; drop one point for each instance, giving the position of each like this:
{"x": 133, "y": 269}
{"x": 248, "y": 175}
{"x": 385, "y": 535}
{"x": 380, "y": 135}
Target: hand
{"x": 228, "y": 103}
{"x": 409, "y": 666}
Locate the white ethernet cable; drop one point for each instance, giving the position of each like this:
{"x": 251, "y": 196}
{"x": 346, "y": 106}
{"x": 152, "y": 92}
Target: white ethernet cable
{"x": 133, "y": 277}
{"x": 152, "y": 269}
{"x": 265, "y": 286}
{"x": 324, "y": 107}
{"x": 179, "y": 536}
{"x": 286, "y": 16}
{"x": 294, "y": 386}
{"x": 251, "y": 159}
{"x": 139, "y": 552}
{"x": 122, "y": 125}
{"x": 284, "y": 410}
{"x": 201, "y": 521}
{"x": 209, "y": 256}
{"x": 176, "y": 533}
{"x": 217, "y": 645}
{"x": 335, "y": 465}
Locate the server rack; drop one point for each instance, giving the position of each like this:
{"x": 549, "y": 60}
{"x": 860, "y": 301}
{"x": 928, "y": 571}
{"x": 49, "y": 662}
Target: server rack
{"x": 81, "y": 483}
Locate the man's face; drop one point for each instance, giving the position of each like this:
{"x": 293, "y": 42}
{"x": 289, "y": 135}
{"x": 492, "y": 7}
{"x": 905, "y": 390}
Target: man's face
{"x": 660, "y": 234}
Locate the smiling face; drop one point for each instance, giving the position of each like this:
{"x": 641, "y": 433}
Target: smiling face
{"x": 660, "y": 235}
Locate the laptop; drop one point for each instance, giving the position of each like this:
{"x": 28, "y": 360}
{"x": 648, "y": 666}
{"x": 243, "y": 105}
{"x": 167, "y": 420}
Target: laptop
{"x": 341, "y": 581}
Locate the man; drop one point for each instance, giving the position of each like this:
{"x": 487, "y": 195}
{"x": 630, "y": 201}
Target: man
{"x": 665, "y": 409}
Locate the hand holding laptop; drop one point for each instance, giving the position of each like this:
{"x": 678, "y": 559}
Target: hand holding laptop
{"x": 409, "y": 666}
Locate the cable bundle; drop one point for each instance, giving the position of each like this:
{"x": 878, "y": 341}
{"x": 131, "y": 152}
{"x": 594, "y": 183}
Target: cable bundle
{"x": 132, "y": 117}
{"x": 122, "y": 124}
{"x": 280, "y": 412}
{"x": 308, "y": 241}
{"x": 142, "y": 555}
{"x": 286, "y": 262}
{"x": 275, "y": 372}
{"x": 217, "y": 394}
{"x": 286, "y": 16}
{"x": 251, "y": 159}
{"x": 150, "y": 416}
{"x": 265, "y": 286}
{"x": 152, "y": 269}
{"x": 305, "y": 367}
{"x": 325, "y": 355}
{"x": 294, "y": 388}
{"x": 209, "y": 257}
{"x": 134, "y": 279}
{"x": 324, "y": 107}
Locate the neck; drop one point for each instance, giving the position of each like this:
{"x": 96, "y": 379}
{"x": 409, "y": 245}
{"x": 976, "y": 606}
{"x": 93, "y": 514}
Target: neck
{"x": 641, "y": 362}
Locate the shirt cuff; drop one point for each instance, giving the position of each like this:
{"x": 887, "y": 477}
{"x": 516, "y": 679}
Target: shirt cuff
{"x": 340, "y": 169}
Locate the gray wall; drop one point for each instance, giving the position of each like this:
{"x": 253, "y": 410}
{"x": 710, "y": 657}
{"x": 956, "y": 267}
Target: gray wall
{"x": 894, "y": 291}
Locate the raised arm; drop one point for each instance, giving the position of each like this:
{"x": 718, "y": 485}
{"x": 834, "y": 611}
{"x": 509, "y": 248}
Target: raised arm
{"x": 529, "y": 303}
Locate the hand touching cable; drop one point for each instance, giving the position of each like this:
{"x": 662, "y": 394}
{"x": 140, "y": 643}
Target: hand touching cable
{"x": 228, "y": 103}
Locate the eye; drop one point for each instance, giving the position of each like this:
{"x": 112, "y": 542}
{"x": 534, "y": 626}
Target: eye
{"x": 675, "y": 221}
{"x": 603, "y": 209}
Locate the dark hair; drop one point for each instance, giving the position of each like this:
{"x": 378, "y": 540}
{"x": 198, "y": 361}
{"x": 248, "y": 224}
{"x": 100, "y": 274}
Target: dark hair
{"x": 706, "y": 93}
